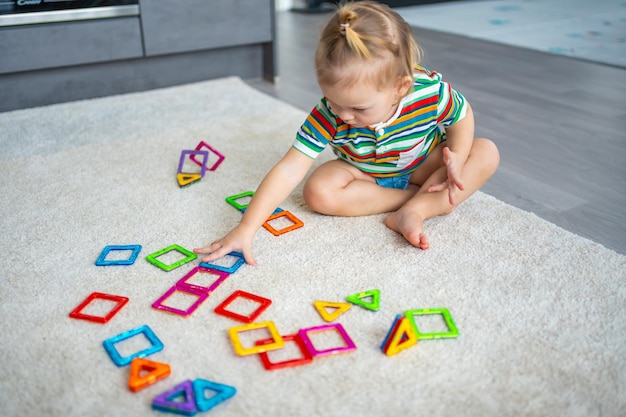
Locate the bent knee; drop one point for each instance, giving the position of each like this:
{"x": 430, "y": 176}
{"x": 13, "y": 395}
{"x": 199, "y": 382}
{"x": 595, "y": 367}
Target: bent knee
{"x": 317, "y": 197}
{"x": 489, "y": 154}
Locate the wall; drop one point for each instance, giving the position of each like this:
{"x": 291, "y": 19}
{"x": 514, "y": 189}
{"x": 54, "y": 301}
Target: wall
{"x": 284, "y": 4}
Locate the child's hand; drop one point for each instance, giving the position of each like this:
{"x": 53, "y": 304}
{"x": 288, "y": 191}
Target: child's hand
{"x": 236, "y": 240}
{"x": 454, "y": 166}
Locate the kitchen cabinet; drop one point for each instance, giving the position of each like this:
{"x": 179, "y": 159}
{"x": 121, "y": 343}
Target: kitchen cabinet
{"x": 168, "y": 42}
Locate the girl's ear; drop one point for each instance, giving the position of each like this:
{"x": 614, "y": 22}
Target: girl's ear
{"x": 403, "y": 85}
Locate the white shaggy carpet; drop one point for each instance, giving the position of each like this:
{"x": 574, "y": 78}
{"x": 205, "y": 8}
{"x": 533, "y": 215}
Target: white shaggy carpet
{"x": 540, "y": 310}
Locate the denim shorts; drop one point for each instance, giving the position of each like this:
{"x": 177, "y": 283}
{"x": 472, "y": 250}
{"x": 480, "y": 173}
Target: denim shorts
{"x": 401, "y": 181}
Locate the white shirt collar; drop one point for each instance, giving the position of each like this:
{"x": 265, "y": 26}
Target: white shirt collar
{"x": 382, "y": 125}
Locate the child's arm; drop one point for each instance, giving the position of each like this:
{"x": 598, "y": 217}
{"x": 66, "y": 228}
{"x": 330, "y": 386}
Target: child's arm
{"x": 279, "y": 182}
{"x": 459, "y": 138}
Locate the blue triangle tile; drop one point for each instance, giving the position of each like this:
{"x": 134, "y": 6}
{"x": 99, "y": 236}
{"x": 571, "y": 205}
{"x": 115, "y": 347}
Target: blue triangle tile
{"x": 222, "y": 393}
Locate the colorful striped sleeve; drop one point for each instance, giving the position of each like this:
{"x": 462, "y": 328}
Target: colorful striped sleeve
{"x": 316, "y": 132}
{"x": 452, "y": 106}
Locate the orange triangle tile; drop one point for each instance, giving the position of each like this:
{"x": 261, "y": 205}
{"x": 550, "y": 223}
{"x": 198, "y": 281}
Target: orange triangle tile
{"x": 144, "y": 372}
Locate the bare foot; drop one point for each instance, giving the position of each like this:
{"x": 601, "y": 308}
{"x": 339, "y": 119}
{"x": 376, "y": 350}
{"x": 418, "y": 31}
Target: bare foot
{"x": 409, "y": 225}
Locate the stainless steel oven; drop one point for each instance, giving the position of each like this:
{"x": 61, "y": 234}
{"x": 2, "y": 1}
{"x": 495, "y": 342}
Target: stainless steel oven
{"x": 28, "y": 12}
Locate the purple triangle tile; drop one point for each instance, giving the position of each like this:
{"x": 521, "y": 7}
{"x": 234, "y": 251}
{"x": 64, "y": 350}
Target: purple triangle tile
{"x": 166, "y": 401}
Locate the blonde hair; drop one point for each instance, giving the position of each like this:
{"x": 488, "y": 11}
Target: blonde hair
{"x": 370, "y": 33}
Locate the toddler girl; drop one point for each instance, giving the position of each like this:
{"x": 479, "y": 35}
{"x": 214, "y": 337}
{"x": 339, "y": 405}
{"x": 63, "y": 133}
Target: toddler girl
{"x": 404, "y": 139}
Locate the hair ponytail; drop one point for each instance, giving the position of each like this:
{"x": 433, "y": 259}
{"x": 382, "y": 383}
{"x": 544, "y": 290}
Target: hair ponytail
{"x": 353, "y": 38}
{"x": 370, "y": 32}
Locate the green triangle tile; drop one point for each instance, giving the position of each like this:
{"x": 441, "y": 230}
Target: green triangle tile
{"x": 360, "y": 299}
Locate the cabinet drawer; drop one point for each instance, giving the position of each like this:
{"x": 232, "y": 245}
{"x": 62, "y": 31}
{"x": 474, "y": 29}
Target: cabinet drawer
{"x": 33, "y": 47}
{"x": 171, "y": 26}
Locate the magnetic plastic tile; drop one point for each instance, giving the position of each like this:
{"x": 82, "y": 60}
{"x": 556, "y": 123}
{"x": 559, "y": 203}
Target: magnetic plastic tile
{"x": 348, "y": 347}
{"x": 185, "y": 180}
{"x": 337, "y": 309}
{"x": 204, "y": 145}
{"x": 276, "y": 339}
{"x": 296, "y": 223}
{"x": 392, "y": 331}
{"x": 77, "y": 312}
{"x": 144, "y": 372}
{"x": 233, "y": 200}
{"x": 452, "y": 329}
{"x": 401, "y": 336}
{"x": 202, "y": 296}
{"x": 358, "y": 299}
{"x": 168, "y": 400}
{"x": 189, "y": 256}
{"x": 102, "y": 261}
{"x": 303, "y": 360}
{"x": 187, "y": 398}
{"x": 184, "y": 154}
{"x": 221, "y": 276}
{"x": 263, "y": 302}
{"x": 230, "y": 269}
{"x": 221, "y": 392}
{"x": 109, "y": 345}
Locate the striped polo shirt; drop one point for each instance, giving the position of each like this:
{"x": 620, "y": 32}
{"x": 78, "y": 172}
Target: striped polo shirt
{"x": 395, "y": 147}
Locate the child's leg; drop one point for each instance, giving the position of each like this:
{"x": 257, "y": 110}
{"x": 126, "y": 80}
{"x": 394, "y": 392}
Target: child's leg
{"x": 481, "y": 164}
{"x": 337, "y": 188}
